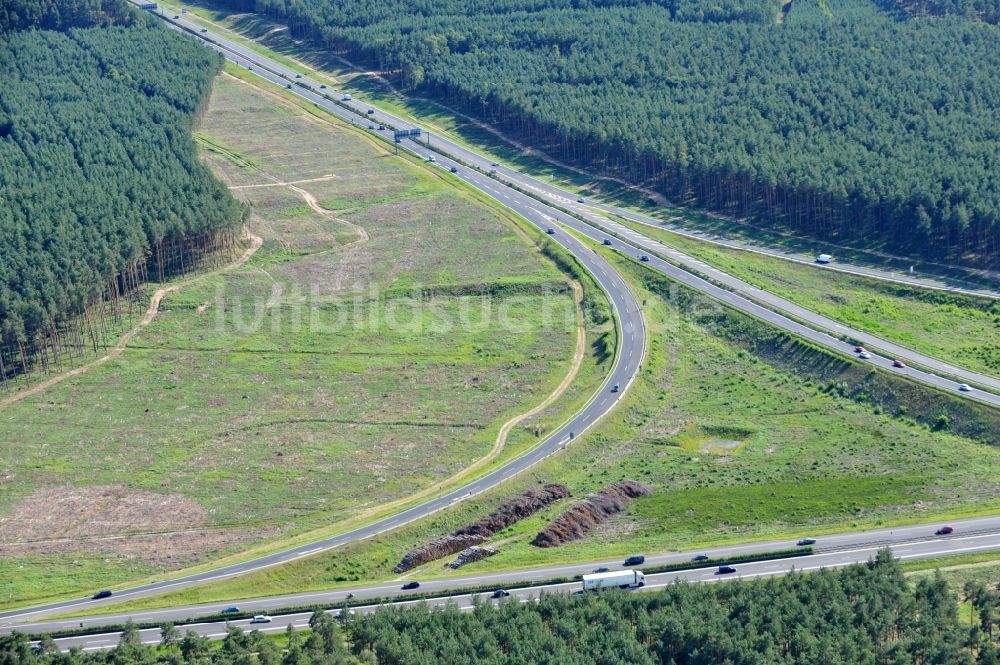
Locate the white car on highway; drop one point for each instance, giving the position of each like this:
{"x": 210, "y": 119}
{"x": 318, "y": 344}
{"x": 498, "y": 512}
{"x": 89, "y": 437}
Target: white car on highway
{"x": 260, "y": 618}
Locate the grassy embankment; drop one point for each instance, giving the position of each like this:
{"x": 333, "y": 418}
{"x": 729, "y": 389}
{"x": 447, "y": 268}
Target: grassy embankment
{"x": 953, "y": 328}
{"x": 372, "y": 348}
{"x": 738, "y": 449}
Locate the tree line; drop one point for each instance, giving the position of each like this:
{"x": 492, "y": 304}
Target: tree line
{"x": 100, "y": 183}
{"x": 844, "y": 122}
{"x": 865, "y": 614}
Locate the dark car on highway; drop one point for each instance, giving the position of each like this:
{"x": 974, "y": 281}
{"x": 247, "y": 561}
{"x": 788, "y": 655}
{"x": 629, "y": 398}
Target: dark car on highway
{"x": 944, "y": 531}
{"x": 411, "y": 585}
{"x": 501, "y": 593}
{"x": 602, "y": 569}
{"x": 807, "y": 541}
{"x": 454, "y": 169}
{"x": 105, "y": 593}
{"x": 232, "y": 609}
{"x": 644, "y": 258}
{"x": 635, "y": 560}
{"x": 726, "y": 570}
{"x": 550, "y": 231}
{"x": 700, "y": 557}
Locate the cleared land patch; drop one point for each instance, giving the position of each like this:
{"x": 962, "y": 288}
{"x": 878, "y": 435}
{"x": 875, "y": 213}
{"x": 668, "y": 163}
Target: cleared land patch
{"x": 155, "y": 528}
{"x": 374, "y": 346}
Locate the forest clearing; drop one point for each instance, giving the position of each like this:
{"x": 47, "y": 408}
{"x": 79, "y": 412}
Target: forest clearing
{"x": 358, "y": 348}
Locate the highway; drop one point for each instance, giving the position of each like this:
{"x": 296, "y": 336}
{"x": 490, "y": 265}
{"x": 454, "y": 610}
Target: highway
{"x": 631, "y": 346}
{"x": 561, "y": 206}
{"x": 830, "y": 552}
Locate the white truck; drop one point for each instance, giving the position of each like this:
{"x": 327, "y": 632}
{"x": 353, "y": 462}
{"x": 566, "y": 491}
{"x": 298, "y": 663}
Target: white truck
{"x": 622, "y": 579}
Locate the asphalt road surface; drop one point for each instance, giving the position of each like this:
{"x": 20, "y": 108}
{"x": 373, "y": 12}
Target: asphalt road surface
{"x": 632, "y": 335}
{"x": 831, "y": 552}
{"x": 556, "y": 203}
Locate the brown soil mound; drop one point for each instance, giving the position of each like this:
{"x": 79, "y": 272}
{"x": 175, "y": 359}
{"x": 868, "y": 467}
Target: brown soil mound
{"x": 514, "y": 509}
{"x": 436, "y": 549}
{"x": 509, "y": 512}
{"x": 584, "y": 515}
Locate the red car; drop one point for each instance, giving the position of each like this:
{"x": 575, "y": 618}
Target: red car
{"x": 898, "y": 363}
{"x": 944, "y": 531}
{"x": 859, "y": 349}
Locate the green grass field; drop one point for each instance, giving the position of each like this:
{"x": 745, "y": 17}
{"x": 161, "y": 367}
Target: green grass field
{"x": 373, "y": 347}
{"x": 736, "y": 449}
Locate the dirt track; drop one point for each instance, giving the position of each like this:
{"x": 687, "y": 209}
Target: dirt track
{"x": 151, "y": 312}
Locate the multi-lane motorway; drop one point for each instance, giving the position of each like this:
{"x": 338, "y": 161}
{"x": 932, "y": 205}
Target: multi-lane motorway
{"x": 831, "y": 552}
{"x": 547, "y": 216}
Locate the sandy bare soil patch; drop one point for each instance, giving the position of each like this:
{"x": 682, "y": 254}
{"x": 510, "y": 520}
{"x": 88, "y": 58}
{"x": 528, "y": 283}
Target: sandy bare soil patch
{"x": 159, "y": 529}
{"x": 76, "y": 512}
